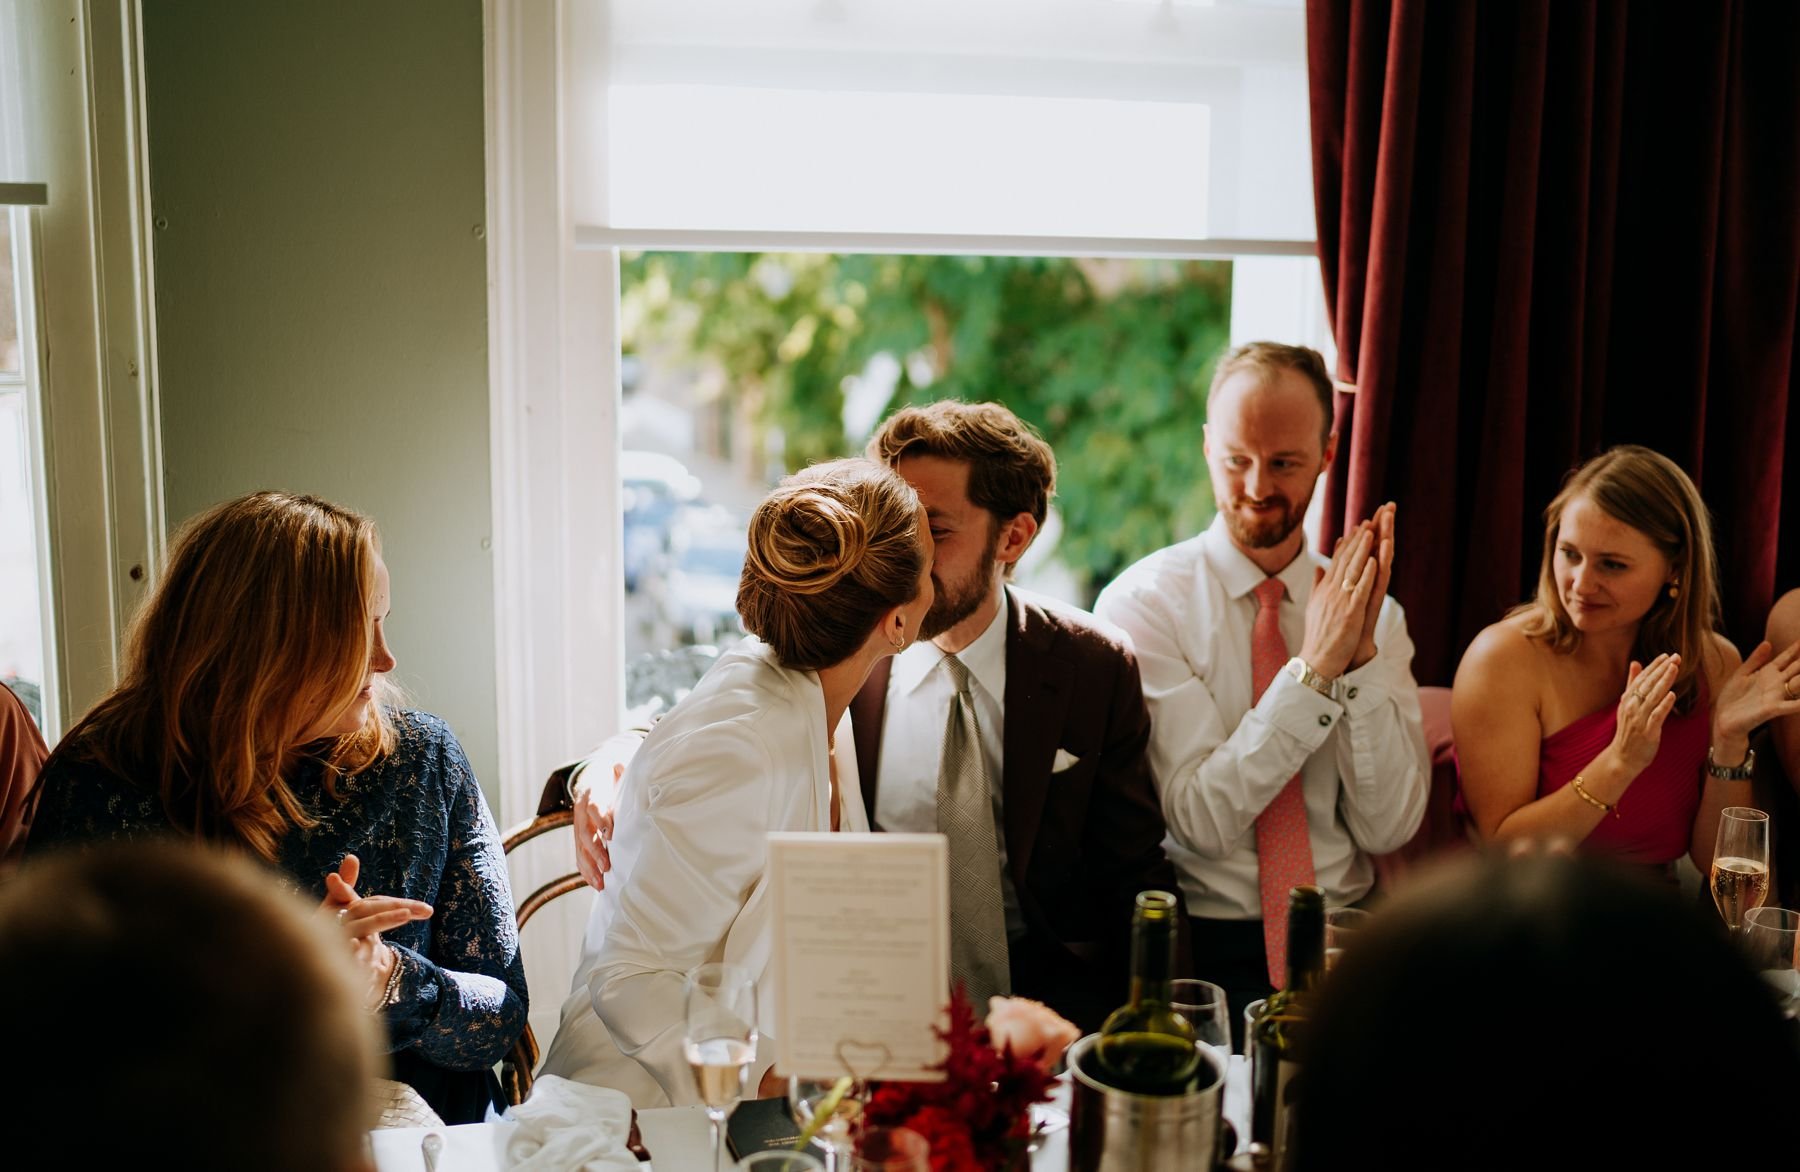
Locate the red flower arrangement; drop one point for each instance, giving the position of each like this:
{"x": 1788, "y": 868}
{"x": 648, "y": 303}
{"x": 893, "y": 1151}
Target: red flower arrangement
{"x": 979, "y": 1118}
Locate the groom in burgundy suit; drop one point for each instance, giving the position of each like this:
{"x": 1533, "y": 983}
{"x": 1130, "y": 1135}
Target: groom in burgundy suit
{"x": 1054, "y": 824}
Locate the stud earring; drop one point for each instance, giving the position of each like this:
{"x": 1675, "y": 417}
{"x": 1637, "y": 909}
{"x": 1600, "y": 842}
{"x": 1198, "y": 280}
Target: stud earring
{"x": 1674, "y": 590}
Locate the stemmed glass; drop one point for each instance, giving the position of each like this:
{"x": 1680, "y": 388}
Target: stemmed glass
{"x": 1740, "y": 869}
{"x": 891, "y": 1149}
{"x": 720, "y": 1043}
{"x": 836, "y": 1105}
{"x": 1341, "y": 925}
{"x": 1203, "y": 1004}
{"x": 1772, "y": 938}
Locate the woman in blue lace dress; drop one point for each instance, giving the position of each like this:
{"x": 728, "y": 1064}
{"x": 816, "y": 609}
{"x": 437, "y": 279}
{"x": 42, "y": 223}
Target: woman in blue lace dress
{"x": 255, "y": 712}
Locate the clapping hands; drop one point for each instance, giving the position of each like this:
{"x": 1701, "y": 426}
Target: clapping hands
{"x": 1347, "y": 596}
{"x": 1764, "y": 687}
{"x": 363, "y": 919}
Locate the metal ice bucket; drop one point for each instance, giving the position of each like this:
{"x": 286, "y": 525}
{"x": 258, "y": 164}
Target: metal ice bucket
{"x": 1116, "y": 1131}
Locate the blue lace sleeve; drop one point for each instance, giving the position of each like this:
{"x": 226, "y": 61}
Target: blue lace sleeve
{"x": 462, "y": 999}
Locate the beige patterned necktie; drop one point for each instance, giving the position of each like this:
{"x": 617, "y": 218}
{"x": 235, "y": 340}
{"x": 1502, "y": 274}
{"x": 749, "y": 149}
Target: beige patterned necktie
{"x": 965, "y": 810}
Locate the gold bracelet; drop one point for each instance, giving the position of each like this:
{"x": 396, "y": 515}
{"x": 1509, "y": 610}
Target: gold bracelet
{"x": 1590, "y": 799}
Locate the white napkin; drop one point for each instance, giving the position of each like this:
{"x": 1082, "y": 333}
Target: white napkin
{"x": 570, "y": 1127}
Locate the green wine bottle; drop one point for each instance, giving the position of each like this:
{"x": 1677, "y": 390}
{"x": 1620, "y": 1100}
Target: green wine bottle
{"x": 1275, "y": 1064}
{"x": 1145, "y": 1047}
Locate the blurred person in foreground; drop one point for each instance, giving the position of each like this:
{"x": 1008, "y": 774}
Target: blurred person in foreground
{"x": 1609, "y": 710}
{"x": 1547, "y": 1012}
{"x": 1287, "y": 739}
{"x": 255, "y": 713}
{"x": 837, "y": 577}
{"x": 241, "y": 1040}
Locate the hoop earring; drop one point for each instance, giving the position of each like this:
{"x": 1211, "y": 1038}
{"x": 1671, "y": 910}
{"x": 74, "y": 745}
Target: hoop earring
{"x": 898, "y": 642}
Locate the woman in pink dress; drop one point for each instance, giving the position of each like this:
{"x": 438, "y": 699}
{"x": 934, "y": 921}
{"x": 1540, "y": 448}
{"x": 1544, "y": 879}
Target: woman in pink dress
{"x": 1608, "y": 710}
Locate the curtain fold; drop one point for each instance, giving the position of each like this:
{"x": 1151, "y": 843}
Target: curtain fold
{"x": 1547, "y": 227}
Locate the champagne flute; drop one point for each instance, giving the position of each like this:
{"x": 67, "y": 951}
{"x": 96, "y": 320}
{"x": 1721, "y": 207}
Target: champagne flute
{"x": 720, "y": 1043}
{"x": 1740, "y": 869}
{"x": 829, "y": 1107}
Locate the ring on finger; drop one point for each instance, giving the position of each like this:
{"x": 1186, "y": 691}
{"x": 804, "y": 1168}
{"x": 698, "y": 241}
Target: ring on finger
{"x": 1349, "y": 585}
{"x": 1787, "y": 689}
{"x": 341, "y": 913}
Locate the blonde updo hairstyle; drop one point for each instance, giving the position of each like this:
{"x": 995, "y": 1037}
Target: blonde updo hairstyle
{"x": 831, "y": 550}
{"x": 1649, "y": 492}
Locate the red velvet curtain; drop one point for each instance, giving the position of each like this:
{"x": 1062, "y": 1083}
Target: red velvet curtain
{"x": 1546, "y": 227}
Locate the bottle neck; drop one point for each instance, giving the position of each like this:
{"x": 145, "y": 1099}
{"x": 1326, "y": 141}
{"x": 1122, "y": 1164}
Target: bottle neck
{"x": 1152, "y": 958}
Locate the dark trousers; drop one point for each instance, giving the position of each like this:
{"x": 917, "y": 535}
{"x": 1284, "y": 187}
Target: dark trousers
{"x": 1230, "y": 954}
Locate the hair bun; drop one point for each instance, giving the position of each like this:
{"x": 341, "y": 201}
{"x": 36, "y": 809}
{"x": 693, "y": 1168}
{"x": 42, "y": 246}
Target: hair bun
{"x": 804, "y": 539}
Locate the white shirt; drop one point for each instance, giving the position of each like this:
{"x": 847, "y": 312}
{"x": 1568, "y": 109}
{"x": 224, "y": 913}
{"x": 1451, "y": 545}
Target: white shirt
{"x": 1219, "y": 762}
{"x": 744, "y": 753}
{"x": 912, "y": 740}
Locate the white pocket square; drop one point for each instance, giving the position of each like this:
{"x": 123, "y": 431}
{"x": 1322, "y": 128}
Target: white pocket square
{"x": 1064, "y": 759}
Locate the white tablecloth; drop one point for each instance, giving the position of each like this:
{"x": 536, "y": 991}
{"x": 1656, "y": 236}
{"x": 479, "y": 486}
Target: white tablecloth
{"x": 680, "y": 1140}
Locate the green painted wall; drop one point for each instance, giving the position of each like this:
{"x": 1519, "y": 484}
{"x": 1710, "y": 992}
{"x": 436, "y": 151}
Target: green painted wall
{"x": 317, "y": 179}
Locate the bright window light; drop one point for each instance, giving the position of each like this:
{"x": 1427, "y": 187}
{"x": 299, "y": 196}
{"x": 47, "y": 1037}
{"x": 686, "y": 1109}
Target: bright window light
{"x": 792, "y": 160}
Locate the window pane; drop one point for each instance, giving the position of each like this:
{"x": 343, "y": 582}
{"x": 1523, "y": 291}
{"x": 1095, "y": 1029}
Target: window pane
{"x": 9, "y": 302}
{"x": 739, "y": 368}
{"x": 791, "y": 160}
{"x": 21, "y": 630}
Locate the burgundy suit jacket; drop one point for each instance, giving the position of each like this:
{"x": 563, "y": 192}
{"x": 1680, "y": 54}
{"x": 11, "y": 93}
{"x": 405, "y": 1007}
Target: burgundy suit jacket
{"x": 1081, "y": 843}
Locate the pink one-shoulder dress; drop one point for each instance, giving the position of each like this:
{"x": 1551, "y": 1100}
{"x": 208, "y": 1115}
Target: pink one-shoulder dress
{"x": 1655, "y": 820}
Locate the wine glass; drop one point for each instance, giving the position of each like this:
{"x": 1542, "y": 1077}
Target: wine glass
{"x": 780, "y": 1162}
{"x": 891, "y": 1149}
{"x": 1252, "y": 1011}
{"x": 835, "y": 1104}
{"x": 1740, "y": 869}
{"x": 1204, "y": 1005}
{"x": 1341, "y": 925}
{"x": 1771, "y": 936}
{"x": 720, "y": 1043}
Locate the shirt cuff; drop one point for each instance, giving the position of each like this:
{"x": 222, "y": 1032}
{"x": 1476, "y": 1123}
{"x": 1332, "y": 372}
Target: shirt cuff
{"x": 1300, "y": 712}
{"x": 1364, "y": 690}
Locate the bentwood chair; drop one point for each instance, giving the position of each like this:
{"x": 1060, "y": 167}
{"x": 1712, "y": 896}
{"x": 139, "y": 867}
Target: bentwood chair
{"x": 555, "y": 811}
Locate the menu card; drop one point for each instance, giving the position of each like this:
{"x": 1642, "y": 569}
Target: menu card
{"x": 862, "y": 953}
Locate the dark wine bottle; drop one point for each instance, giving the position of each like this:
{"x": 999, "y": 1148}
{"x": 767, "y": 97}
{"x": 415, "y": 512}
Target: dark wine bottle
{"x": 1274, "y": 1036}
{"x": 1145, "y": 1047}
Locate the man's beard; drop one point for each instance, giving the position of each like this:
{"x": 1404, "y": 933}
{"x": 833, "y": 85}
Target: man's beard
{"x": 1264, "y": 532}
{"x": 957, "y": 601}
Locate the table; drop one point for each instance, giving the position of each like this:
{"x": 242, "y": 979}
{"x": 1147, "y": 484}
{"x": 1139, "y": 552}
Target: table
{"x": 680, "y": 1140}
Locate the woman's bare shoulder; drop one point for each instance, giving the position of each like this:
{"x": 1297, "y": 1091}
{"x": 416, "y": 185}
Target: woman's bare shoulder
{"x": 1784, "y": 619}
{"x": 1501, "y": 647}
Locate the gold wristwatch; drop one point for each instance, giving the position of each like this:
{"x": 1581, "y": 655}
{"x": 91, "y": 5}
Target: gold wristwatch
{"x": 1302, "y": 671}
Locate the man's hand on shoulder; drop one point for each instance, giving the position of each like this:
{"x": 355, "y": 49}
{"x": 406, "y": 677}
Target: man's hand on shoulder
{"x": 593, "y": 802}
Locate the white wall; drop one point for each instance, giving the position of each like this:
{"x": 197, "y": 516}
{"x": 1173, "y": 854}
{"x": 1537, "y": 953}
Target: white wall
{"x": 317, "y": 187}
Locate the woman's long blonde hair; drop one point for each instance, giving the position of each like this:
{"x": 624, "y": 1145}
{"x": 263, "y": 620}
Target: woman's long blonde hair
{"x": 259, "y": 630}
{"x": 1649, "y": 492}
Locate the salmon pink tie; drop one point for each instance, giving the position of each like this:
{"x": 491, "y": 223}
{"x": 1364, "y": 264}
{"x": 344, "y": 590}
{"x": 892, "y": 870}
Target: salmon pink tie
{"x": 1283, "y": 846}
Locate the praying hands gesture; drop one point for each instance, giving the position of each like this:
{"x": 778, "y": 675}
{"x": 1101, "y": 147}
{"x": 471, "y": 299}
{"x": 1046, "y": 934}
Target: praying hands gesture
{"x": 1347, "y": 596}
{"x": 363, "y": 919}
